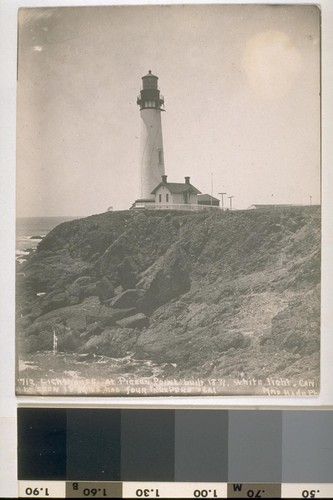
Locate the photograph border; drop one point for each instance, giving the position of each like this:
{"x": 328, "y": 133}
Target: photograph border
{"x": 9, "y": 403}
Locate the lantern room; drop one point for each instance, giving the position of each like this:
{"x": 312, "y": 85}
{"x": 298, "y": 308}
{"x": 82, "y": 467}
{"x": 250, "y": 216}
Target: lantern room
{"x": 150, "y": 97}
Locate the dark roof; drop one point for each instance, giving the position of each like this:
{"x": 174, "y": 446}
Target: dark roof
{"x": 207, "y": 197}
{"x": 149, "y": 75}
{"x": 177, "y": 187}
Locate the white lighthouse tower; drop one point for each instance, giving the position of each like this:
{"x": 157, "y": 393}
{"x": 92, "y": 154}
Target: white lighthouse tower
{"x": 151, "y": 143}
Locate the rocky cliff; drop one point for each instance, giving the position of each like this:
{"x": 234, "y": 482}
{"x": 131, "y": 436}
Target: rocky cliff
{"x": 207, "y": 294}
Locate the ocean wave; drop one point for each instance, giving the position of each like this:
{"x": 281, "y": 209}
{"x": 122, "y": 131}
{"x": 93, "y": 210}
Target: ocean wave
{"x": 38, "y": 237}
{"x": 23, "y": 238}
{"x": 19, "y": 253}
{"x": 25, "y": 245}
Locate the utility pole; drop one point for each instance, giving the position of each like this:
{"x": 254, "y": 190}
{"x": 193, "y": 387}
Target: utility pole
{"x": 222, "y": 194}
{"x": 310, "y": 200}
{"x": 230, "y": 198}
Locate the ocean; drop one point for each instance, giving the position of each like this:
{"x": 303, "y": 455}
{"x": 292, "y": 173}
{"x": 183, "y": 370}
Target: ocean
{"x": 31, "y": 230}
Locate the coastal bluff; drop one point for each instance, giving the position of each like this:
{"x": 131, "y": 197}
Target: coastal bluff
{"x": 210, "y": 294}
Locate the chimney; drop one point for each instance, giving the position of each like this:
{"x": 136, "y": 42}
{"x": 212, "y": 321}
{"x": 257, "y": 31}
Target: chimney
{"x": 164, "y": 179}
{"x": 187, "y": 180}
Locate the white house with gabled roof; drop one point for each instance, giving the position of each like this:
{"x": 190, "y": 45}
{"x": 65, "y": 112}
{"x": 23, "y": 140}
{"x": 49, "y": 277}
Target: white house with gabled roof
{"x": 175, "y": 193}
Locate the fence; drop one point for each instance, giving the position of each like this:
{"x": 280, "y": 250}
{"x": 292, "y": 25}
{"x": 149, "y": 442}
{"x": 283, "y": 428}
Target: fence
{"x": 187, "y": 207}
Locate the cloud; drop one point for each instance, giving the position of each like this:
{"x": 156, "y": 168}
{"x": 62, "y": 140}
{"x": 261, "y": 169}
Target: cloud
{"x": 38, "y": 48}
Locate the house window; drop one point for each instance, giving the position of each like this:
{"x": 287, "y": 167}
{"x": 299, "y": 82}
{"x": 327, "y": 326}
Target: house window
{"x": 167, "y": 198}
{"x": 160, "y": 198}
{"x": 160, "y": 156}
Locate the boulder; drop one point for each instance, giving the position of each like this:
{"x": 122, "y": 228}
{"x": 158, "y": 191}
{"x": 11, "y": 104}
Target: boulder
{"x": 128, "y": 298}
{"x": 139, "y": 320}
{"x": 104, "y": 289}
{"x": 68, "y": 341}
{"x": 83, "y": 281}
{"x": 73, "y": 300}
{"x": 88, "y": 290}
{"x": 167, "y": 279}
{"x": 36, "y": 311}
{"x": 115, "y": 343}
{"x": 43, "y": 326}
{"x": 73, "y": 316}
{"x": 54, "y": 300}
{"x": 81, "y": 288}
{"x": 108, "y": 316}
{"x": 126, "y": 273}
{"x": 35, "y": 343}
{"x": 92, "y": 329}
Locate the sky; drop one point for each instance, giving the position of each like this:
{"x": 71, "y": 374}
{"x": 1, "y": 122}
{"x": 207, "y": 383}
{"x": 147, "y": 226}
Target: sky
{"x": 242, "y": 98}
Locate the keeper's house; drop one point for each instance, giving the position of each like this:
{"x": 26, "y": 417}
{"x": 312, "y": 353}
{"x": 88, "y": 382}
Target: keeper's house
{"x": 177, "y": 196}
{"x": 175, "y": 193}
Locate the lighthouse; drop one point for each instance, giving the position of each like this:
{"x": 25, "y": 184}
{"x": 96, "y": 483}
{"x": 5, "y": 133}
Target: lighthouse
{"x": 151, "y": 143}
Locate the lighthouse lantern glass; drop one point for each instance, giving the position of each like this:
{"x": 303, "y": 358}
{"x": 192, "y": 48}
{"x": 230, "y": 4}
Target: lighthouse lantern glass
{"x": 149, "y": 82}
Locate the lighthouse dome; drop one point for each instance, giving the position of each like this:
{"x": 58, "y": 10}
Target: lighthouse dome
{"x": 150, "y": 75}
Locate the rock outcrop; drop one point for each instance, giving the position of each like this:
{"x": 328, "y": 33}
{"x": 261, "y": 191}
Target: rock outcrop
{"x": 213, "y": 292}
{"x": 168, "y": 278}
{"x": 139, "y": 320}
